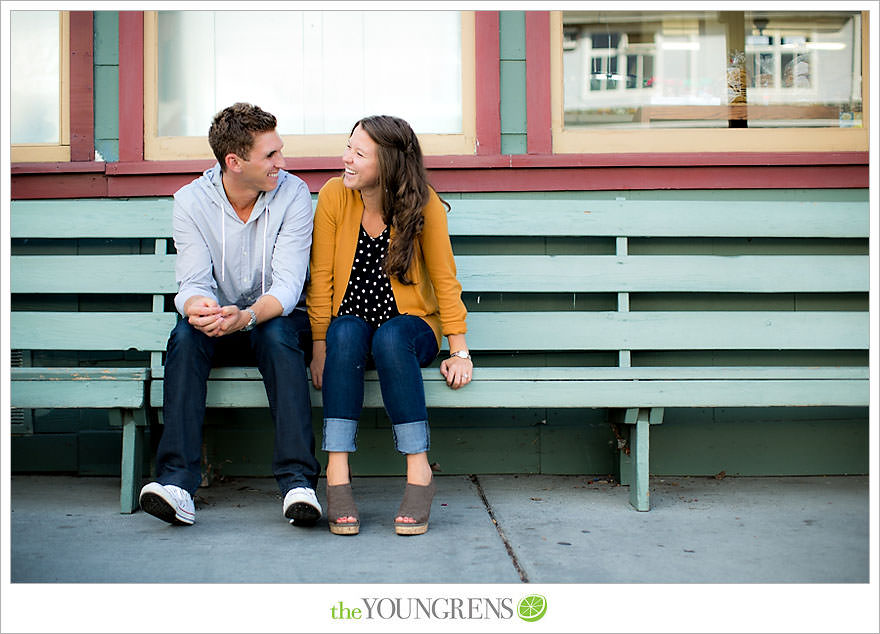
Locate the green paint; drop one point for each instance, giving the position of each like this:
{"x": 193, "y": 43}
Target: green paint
{"x": 512, "y": 34}
{"x": 512, "y": 80}
{"x": 106, "y": 60}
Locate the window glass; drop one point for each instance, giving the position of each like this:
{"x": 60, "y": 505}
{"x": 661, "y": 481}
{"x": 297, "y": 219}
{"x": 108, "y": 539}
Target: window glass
{"x": 693, "y": 69}
{"x": 35, "y": 77}
{"x": 317, "y": 71}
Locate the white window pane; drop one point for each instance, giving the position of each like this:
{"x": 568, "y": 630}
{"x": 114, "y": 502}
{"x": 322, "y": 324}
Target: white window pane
{"x": 35, "y": 77}
{"x": 317, "y": 71}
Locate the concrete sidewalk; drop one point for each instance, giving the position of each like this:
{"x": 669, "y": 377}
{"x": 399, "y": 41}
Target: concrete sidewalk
{"x": 484, "y": 530}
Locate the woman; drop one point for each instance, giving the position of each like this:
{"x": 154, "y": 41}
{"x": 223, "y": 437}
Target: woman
{"x": 383, "y": 291}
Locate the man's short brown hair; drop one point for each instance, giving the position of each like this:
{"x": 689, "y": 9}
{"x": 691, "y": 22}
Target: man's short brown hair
{"x": 233, "y": 130}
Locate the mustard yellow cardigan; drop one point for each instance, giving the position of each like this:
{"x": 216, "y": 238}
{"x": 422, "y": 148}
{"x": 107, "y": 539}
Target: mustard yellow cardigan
{"x": 436, "y": 294}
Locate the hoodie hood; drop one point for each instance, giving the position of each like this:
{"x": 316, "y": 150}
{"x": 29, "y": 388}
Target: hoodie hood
{"x": 211, "y": 183}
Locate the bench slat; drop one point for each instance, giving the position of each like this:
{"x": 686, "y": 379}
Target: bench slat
{"x": 151, "y": 274}
{"x": 644, "y": 273}
{"x": 587, "y": 394}
{"x": 90, "y": 331}
{"x": 99, "y": 394}
{"x": 98, "y": 218}
{"x": 79, "y": 374}
{"x": 752, "y": 373}
{"x": 528, "y": 273}
{"x": 692, "y": 330}
{"x": 658, "y": 218}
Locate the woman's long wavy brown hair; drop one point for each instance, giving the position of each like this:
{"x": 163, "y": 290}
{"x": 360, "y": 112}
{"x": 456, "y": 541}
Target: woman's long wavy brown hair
{"x": 404, "y": 186}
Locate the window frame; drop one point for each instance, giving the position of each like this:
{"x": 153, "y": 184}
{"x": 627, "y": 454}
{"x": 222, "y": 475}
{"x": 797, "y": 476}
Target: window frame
{"x": 699, "y": 140}
{"x": 53, "y": 152}
{"x": 175, "y": 148}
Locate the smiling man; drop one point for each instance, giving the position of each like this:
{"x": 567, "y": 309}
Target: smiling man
{"x": 242, "y": 232}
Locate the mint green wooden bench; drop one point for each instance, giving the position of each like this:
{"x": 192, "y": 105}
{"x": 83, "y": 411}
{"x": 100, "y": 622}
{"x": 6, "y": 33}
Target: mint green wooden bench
{"x": 636, "y": 391}
{"x": 120, "y": 390}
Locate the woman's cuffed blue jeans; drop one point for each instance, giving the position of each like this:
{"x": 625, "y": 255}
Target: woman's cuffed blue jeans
{"x": 276, "y": 347}
{"x": 398, "y": 349}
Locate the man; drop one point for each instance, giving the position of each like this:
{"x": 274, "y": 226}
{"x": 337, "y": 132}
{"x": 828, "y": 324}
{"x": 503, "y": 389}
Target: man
{"x": 242, "y": 232}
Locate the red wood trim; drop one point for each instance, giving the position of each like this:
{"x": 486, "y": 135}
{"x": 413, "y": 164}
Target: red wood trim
{"x": 488, "y": 83}
{"x": 131, "y": 86}
{"x": 650, "y": 178}
{"x": 82, "y": 106}
{"x": 538, "y": 110}
{"x": 818, "y": 175}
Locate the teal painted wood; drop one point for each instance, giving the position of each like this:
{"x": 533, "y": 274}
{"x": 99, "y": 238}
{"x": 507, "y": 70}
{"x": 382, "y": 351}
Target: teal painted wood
{"x": 671, "y": 330}
{"x": 480, "y": 216}
{"x": 95, "y": 218}
{"x": 758, "y": 373}
{"x": 672, "y": 218}
{"x": 512, "y": 35}
{"x": 99, "y": 394}
{"x": 639, "y": 492}
{"x": 79, "y": 374}
{"x": 126, "y": 274}
{"x": 528, "y": 394}
{"x": 90, "y": 331}
{"x": 682, "y": 273}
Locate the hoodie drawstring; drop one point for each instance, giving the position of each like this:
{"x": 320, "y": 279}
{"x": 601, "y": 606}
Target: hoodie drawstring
{"x": 263, "y": 270}
{"x": 223, "y": 244}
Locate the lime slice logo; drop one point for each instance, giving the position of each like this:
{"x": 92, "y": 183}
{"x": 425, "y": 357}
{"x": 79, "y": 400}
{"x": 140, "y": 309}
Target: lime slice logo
{"x": 532, "y": 608}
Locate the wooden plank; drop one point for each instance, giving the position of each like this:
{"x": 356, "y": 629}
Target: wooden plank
{"x": 657, "y": 218}
{"x": 639, "y": 442}
{"x": 92, "y": 274}
{"x": 646, "y": 273}
{"x": 499, "y": 374}
{"x": 569, "y": 394}
{"x": 79, "y": 374}
{"x": 698, "y": 330}
{"x": 91, "y": 218}
{"x": 90, "y": 331}
{"x": 71, "y": 394}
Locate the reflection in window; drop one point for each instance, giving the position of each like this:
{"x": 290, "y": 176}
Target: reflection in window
{"x": 35, "y": 77}
{"x": 639, "y": 69}
{"x": 317, "y": 71}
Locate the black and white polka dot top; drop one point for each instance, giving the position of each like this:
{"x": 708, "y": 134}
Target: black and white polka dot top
{"x": 369, "y": 294}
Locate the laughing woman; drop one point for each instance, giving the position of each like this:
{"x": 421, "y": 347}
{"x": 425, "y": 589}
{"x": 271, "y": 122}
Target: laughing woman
{"x": 383, "y": 292}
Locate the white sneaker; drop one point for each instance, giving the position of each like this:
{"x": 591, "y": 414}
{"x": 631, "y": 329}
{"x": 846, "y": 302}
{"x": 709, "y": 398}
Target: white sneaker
{"x": 168, "y": 502}
{"x": 301, "y": 506}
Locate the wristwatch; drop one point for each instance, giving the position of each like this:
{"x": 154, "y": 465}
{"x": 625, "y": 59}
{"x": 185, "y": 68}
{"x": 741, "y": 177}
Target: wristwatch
{"x": 462, "y": 354}
{"x": 252, "y": 322}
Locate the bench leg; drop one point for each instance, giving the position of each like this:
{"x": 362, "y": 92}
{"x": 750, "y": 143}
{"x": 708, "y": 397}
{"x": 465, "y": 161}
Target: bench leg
{"x": 635, "y": 467}
{"x": 132, "y": 461}
{"x": 639, "y": 494}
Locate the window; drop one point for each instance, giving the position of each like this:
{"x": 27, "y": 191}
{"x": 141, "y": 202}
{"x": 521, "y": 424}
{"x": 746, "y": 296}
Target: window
{"x": 39, "y": 80}
{"x": 661, "y": 81}
{"x": 317, "y": 71}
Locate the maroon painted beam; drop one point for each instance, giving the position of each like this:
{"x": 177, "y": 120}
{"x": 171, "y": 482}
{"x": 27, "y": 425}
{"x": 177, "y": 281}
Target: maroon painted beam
{"x": 82, "y": 106}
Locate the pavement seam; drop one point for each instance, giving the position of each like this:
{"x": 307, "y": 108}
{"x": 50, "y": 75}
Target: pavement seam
{"x": 507, "y": 546}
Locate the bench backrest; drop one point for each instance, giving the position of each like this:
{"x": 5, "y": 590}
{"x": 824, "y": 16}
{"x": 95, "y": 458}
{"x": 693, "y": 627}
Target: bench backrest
{"x": 574, "y": 248}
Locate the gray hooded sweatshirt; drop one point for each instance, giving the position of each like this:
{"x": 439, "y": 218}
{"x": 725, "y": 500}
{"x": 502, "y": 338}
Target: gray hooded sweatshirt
{"x": 234, "y": 262}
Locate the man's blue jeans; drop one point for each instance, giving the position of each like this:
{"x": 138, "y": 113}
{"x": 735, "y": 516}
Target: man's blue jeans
{"x": 399, "y": 348}
{"x": 276, "y": 347}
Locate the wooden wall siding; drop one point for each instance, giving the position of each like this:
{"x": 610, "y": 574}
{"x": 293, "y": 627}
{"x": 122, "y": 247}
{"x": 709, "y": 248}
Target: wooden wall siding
{"x": 131, "y": 86}
{"x": 512, "y": 52}
{"x": 486, "y": 29}
{"x": 538, "y": 106}
{"x": 82, "y": 126}
{"x": 107, "y": 85}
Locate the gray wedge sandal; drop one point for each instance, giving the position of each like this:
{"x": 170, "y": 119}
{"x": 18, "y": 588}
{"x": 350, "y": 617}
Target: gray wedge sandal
{"x": 340, "y": 503}
{"x": 417, "y": 505}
